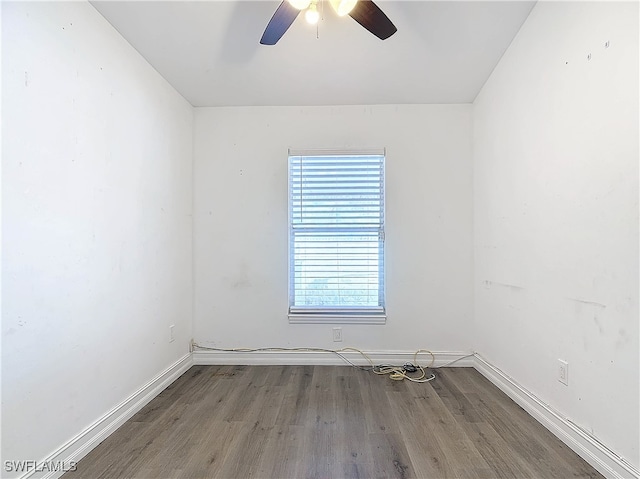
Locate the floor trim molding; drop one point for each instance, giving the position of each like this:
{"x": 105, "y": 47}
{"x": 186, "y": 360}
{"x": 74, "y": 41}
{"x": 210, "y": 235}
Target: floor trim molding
{"x": 586, "y": 446}
{"x": 316, "y": 358}
{"x": 80, "y": 445}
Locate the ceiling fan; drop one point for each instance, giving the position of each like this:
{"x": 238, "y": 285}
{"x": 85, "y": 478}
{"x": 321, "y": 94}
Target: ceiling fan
{"x": 365, "y": 12}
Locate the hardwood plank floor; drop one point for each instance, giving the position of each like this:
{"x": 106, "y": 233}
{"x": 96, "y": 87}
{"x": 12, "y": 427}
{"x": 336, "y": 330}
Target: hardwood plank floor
{"x": 330, "y": 422}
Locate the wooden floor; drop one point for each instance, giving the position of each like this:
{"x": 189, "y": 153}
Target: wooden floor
{"x": 330, "y": 422}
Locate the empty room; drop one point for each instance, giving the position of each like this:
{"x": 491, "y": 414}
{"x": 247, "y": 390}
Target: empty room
{"x": 320, "y": 239}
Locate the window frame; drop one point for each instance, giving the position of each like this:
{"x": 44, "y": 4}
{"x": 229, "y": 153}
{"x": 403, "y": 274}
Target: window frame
{"x": 341, "y": 314}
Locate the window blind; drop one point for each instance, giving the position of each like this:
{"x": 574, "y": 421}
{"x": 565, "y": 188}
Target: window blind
{"x": 336, "y": 250}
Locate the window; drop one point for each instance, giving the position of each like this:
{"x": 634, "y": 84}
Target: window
{"x": 336, "y": 237}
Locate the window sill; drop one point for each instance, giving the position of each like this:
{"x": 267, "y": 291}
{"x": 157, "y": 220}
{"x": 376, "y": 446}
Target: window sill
{"x": 321, "y": 317}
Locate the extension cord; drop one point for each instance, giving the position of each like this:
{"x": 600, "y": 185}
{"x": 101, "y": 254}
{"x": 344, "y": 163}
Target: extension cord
{"x": 396, "y": 373}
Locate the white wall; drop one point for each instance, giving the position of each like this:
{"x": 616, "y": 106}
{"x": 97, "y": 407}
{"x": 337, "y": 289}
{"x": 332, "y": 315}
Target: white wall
{"x": 96, "y": 218}
{"x": 240, "y": 223}
{"x": 556, "y": 215}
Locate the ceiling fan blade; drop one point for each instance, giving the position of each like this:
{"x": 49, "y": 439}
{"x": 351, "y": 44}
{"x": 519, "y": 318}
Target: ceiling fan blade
{"x": 369, "y": 15}
{"x": 279, "y": 23}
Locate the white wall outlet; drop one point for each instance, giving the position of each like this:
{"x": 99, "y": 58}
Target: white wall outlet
{"x": 337, "y": 335}
{"x": 171, "y": 337}
{"x": 563, "y": 372}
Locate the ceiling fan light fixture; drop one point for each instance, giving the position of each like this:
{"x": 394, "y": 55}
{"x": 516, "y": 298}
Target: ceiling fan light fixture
{"x": 311, "y": 15}
{"x": 343, "y": 7}
{"x": 300, "y": 4}
{"x": 367, "y": 14}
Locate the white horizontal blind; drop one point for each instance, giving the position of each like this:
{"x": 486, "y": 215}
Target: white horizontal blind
{"x": 336, "y": 218}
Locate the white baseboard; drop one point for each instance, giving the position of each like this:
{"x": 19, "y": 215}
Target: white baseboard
{"x": 80, "y": 445}
{"x": 317, "y": 358}
{"x": 586, "y": 446}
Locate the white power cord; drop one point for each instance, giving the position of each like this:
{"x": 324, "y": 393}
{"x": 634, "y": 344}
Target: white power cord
{"x": 396, "y": 373}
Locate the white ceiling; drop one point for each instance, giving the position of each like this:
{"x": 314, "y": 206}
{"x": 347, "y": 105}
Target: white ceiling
{"x": 209, "y": 51}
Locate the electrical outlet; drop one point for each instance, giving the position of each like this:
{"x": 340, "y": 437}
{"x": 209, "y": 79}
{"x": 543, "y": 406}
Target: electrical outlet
{"x": 171, "y": 338}
{"x": 337, "y": 335}
{"x": 563, "y": 372}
